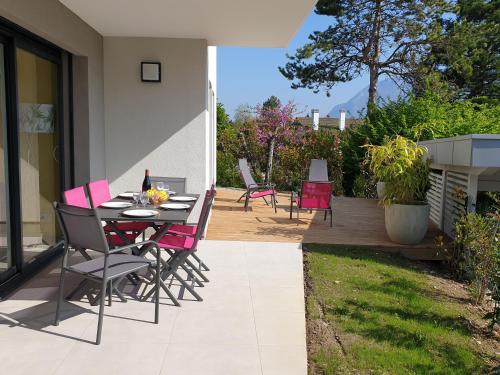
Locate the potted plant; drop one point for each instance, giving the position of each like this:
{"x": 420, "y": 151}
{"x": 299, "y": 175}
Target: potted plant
{"x": 400, "y": 164}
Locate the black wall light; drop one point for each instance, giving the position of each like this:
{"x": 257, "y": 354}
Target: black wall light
{"x": 150, "y": 71}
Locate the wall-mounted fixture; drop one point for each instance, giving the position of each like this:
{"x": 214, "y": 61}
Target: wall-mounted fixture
{"x": 150, "y": 71}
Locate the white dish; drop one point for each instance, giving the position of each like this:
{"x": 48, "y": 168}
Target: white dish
{"x": 181, "y": 198}
{"x": 126, "y": 195}
{"x": 175, "y": 206}
{"x": 140, "y": 213}
{"x": 171, "y": 192}
{"x": 116, "y": 204}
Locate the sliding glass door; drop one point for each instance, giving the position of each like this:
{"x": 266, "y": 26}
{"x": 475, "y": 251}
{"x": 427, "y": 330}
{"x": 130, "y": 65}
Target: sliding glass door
{"x": 37, "y": 92}
{"x": 7, "y": 266}
{"x": 31, "y": 151}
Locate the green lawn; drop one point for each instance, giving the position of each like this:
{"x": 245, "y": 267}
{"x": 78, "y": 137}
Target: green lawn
{"x": 374, "y": 313}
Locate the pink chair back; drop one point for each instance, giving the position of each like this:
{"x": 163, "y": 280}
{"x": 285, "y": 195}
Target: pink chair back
{"x": 99, "y": 192}
{"x": 316, "y": 194}
{"x": 76, "y": 197}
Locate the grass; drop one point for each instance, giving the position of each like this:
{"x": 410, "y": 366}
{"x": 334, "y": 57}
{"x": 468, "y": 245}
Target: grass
{"x": 376, "y": 313}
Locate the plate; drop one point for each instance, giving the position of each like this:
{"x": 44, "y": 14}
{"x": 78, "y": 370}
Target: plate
{"x": 116, "y": 204}
{"x": 126, "y": 195}
{"x": 175, "y": 206}
{"x": 180, "y": 198}
{"x": 140, "y": 213}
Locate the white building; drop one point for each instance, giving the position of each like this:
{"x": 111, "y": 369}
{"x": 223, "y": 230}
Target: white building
{"x": 75, "y": 109}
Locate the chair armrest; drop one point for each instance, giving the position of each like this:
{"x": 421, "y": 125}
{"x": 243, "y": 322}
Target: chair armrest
{"x": 135, "y": 244}
{"x": 261, "y": 186}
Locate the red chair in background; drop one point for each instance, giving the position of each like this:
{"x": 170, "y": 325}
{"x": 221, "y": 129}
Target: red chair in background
{"x": 314, "y": 195}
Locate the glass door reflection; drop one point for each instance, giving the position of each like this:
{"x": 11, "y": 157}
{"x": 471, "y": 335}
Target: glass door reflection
{"x": 37, "y": 85}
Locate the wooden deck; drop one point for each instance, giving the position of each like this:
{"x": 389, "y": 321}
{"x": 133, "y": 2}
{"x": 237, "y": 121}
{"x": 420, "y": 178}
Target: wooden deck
{"x": 356, "y": 221}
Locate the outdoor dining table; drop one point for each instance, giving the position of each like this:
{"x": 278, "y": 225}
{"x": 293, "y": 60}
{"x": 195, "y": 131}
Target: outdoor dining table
{"x": 160, "y": 223}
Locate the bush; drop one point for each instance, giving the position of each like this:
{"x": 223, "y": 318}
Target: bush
{"x": 400, "y": 164}
{"x": 428, "y": 116}
{"x": 291, "y": 160}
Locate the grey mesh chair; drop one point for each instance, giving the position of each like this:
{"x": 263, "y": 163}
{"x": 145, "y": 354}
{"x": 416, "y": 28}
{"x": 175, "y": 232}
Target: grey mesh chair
{"x": 177, "y": 184}
{"x": 255, "y": 190}
{"x": 82, "y": 229}
{"x": 318, "y": 170}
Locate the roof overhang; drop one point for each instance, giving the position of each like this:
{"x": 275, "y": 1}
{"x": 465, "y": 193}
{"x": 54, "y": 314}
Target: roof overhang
{"x": 254, "y": 23}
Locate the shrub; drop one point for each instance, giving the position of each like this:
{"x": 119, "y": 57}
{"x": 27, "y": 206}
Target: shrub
{"x": 477, "y": 235}
{"x": 428, "y": 116}
{"x": 400, "y": 164}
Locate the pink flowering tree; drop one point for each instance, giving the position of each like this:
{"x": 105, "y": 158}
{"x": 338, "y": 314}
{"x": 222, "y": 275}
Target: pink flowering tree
{"x": 274, "y": 122}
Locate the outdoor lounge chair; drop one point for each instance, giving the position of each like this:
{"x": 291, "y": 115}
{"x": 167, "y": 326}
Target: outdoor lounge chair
{"x": 314, "y": 195}
{"x": 82, "y": 229}
{"x": 318, "y": 170}
{"x": 255, "y": 190}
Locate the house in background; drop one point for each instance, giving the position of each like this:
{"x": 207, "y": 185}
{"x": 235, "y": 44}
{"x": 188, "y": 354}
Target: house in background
{"x": 316, "y": 122}
{"x": 75, "y": 106}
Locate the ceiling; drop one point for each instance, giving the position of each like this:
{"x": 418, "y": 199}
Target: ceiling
{"x": 245, "y": 23}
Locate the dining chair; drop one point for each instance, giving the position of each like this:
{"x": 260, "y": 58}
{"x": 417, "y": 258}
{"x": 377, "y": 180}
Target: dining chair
{"x": 76, "y": 197}
{"x": 253, "y": 189}
{"x": 177, "y": 184}
{"x": 99, "y": 193}
{"x": 314, "y": 195}
{"x": 180, "y": 248}
{"x": 318, "y": 170}
{"x": 82, "y": 229}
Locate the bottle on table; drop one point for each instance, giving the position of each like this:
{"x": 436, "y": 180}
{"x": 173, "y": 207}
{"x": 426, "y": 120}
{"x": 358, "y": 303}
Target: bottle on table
{"x": 146, "y": 183}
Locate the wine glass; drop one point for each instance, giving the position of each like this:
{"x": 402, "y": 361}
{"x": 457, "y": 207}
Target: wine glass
{"x": 160, "y": 186}
{"x": 144, "y": 198}
{"x": 136, "y": 196}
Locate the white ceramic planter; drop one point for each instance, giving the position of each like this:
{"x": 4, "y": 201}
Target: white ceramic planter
{"x": 380, "y": 190}
{"x": 407, "y": 224}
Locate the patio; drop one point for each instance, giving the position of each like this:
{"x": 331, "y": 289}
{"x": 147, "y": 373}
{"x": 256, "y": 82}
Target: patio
{"x": 356, "y": 221}
{"x": 250, "y": 322}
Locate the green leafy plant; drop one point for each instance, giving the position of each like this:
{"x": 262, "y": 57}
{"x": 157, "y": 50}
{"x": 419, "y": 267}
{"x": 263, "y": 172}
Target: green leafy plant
{"x": 477, "y": 235}
{"x": 400, "y": 164}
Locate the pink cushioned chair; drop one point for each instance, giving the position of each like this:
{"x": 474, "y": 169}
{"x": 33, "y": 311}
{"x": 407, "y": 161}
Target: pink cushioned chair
{"x": 180, "y": 248}
{"x": 99, "y": 193}
{"x": 314, "y": 195}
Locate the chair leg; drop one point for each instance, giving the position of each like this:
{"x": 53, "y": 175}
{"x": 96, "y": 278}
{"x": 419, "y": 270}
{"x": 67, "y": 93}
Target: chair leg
{"x": 246, "y": 203}
{"x": 239, "y": 199}
{"x": 291, "y": 208}
{"x": 59, "y": 297}
{"x": 157, "y": 287}
{"x": 331, "y": 218}
{"x": 202, "y": 265}
{"x": 197, "y": 271}
{"x": 101, "y": 312}
{"x": 325, "y": 215}
{"x": 273, "y": 200}
{"x": 61, "y": 286}
{"x": 110, "y": 292}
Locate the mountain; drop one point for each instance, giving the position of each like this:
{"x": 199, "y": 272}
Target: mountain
{"x": 387, "y": 89}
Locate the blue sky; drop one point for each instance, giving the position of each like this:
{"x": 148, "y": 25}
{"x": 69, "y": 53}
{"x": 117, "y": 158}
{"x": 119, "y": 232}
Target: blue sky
{"x": 250, "y": 75}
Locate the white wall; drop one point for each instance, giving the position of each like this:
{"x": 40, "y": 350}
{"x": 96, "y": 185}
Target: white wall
{"x": 212, "y": 116}
{"x": 156, "y": 126}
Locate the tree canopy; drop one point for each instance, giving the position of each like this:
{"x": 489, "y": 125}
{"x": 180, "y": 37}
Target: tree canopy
{"x": 381, "y": 37}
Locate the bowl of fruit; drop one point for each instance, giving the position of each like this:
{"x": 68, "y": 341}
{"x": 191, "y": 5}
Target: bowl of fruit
{"x": 157, "y": 197}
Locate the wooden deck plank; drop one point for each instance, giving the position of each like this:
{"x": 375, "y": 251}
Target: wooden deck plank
{"x": 356, "y": 221}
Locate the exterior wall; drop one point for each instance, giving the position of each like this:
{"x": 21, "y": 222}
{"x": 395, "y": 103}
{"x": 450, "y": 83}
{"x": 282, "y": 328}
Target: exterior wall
{"x": 54, "y": 22}
{"x": 212, "y": 113}
{"x": 158, "y": 126}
